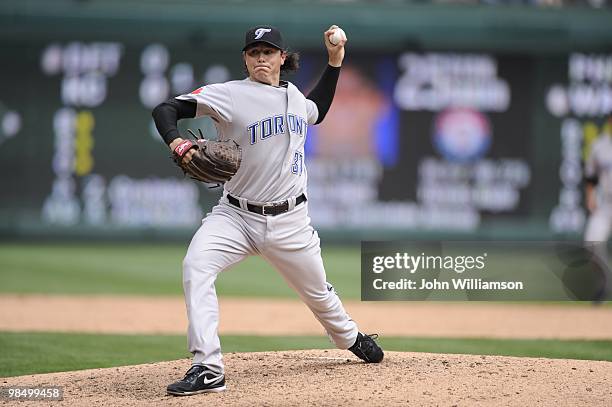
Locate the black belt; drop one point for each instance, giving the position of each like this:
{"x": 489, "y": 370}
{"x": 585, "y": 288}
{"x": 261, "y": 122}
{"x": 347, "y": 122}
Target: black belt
{"x": 272, "y": 209}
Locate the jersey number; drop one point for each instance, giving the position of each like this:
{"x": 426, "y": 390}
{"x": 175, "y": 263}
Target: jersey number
{"x": 298, "y": 163}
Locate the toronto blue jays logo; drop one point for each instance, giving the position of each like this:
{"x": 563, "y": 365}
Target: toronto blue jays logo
{"x": 271, "y": 126}
{"x": 260, "y": 32}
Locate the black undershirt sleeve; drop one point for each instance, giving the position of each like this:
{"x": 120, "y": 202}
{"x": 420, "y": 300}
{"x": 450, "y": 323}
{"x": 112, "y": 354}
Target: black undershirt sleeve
{"x": 323, "y": 92}
{"x": 168, "y": 113}
{"x": 594, "y": 180}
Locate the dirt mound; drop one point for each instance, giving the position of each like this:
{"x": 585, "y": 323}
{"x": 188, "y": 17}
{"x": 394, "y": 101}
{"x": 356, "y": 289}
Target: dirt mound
{"x": 335, "y": 378}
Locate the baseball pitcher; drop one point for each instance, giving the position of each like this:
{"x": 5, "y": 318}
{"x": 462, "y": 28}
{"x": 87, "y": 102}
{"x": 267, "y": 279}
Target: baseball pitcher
{"x": 262, "y": 123}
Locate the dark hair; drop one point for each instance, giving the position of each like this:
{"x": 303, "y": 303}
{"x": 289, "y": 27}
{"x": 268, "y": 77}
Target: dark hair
{"x": 292, "y": 62}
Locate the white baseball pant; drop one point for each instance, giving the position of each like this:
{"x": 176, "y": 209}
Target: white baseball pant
{"x": 228, "y": 235}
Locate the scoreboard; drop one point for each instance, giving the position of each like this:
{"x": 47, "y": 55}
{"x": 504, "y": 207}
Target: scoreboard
{"x": 416, "y": 141}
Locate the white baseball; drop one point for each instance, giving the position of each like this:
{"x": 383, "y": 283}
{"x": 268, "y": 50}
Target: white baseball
{"x": 337, "y": 36}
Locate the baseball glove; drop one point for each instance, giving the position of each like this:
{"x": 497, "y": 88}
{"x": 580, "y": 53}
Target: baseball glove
{"x": 213, "y": 162}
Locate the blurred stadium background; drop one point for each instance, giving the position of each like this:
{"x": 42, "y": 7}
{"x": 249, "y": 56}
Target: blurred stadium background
{"x": 452, "y": 120}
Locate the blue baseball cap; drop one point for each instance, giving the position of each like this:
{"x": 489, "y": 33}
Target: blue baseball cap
{"x": 264, "y": 33}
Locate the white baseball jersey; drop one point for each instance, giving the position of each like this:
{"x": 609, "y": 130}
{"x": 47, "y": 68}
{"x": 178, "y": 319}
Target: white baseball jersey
{"x": 599, "y": 164}
{"x": 256, "y": 116}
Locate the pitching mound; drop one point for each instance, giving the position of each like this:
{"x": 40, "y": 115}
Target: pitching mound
{"x": 331, "y": 378}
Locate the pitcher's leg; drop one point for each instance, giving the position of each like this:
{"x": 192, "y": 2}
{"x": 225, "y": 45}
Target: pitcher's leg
{"x": 304, "y": 272}
{"x": 202, "y": 312}
{"x": 218, "y": 244}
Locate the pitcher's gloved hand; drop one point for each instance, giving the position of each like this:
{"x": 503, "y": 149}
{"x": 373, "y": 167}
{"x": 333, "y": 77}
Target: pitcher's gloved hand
{"x": 212, "y": 162}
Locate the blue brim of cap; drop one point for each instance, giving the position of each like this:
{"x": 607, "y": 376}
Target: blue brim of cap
{"x": 261, "y": 41}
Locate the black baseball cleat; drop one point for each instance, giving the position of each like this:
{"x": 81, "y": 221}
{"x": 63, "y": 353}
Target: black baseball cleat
{"x": 366, "y": 349}
{"x": 198, "y": 379}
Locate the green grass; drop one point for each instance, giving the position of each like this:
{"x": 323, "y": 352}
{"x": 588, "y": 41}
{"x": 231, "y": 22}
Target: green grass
{"x": 31, "y": 353}
{"x": 155, "y": 269}
{"x": 148, "y": 270}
